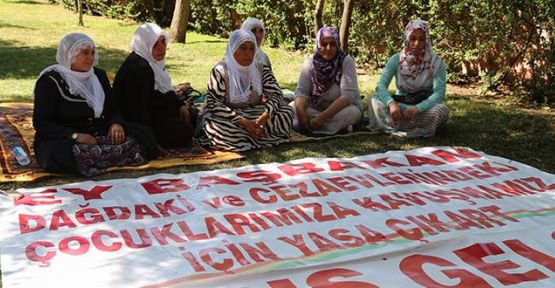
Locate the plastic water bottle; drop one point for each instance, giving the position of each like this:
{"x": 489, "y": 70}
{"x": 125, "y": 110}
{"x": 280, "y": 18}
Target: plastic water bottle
{"x": 21, "y": 157}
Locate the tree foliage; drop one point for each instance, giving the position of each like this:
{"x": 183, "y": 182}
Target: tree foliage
{"x": 288, "y": 23}
{"x": 504, "y": 43}
{"x": 159, "y": 11}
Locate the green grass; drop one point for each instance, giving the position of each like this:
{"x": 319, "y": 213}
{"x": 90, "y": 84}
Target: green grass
{"x": 30, "y": 31}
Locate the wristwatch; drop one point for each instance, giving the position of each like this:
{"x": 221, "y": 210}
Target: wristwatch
{"x": 74, "y": 136}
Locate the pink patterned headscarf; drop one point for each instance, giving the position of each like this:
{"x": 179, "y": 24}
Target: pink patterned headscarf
{"x": 416, "y": 72}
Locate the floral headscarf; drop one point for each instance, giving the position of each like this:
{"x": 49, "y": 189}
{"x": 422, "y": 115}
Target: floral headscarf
{"x": 324, "y": 72}
{"x": 416, "y": 72}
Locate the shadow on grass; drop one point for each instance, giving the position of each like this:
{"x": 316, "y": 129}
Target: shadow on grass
{"x": 510, "y": 133}
{"x": 205, "y": 41}
{"x": 519, "y": 135}
{"x": 15, "y": 99}
{"x": 26, "y": 2}
{"x": 7, "y": 25}
{"x": 500, "y": 131}
{"x": 21, "y": 62}
{"x": 111, "y": 59}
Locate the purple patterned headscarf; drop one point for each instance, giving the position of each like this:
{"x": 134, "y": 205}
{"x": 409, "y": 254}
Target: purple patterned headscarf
{"x": 324, "y": 72}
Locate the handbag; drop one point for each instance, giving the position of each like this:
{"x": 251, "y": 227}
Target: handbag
{"x": 412, "y": 98}
{"x": 187, "y": 94}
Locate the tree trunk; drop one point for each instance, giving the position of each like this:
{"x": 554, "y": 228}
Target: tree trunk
{"x": 318, "y": 16}
{"x": 180, "y": 19}
{"x": 346, "y": 23}
{"x": 80, "y": 12}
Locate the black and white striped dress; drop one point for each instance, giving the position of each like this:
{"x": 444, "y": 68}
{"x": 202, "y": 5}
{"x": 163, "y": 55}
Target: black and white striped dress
{"x": 220, "y": 123}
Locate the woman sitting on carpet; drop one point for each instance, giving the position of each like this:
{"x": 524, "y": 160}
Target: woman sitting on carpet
{"x": 257, "y": 28}
{"x": 78, "y": 128}
{"x": 416, "y": 107}
{"x": 145, "y": 94}
{"x": 244, "y": 108}
{"x": 327, "y": 98}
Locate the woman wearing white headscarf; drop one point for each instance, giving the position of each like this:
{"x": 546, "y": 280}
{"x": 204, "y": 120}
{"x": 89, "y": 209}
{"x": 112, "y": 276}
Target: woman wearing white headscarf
{"x": 244, "y": 107}
{"x": 257, "y": 28}
{"x": 78, "y": 127}
{"x": 416, "y": 107}
{"x": 144, "y": 90}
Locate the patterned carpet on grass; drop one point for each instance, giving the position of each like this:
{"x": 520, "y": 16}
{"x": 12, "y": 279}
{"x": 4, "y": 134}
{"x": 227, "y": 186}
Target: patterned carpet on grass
{"x": 16, "y": 129}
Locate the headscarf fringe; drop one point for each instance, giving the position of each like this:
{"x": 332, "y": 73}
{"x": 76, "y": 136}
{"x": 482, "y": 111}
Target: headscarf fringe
{"x": 84, "y": 84}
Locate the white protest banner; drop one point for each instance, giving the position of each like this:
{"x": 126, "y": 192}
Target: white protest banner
{"x": 430, "y": 217}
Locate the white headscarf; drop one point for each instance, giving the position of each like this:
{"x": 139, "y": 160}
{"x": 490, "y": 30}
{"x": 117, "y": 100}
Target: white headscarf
{"x": 241, "y": 77}
{"x": 142, "y": 43}
{"x": 416, "y": 72}
{"x": 84, "y": 84}
{"x": 250, "y": 24}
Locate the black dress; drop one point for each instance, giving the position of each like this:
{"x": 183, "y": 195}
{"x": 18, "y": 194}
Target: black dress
{"x": 140, "y": 102}
{"x": 57, "y": 114}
